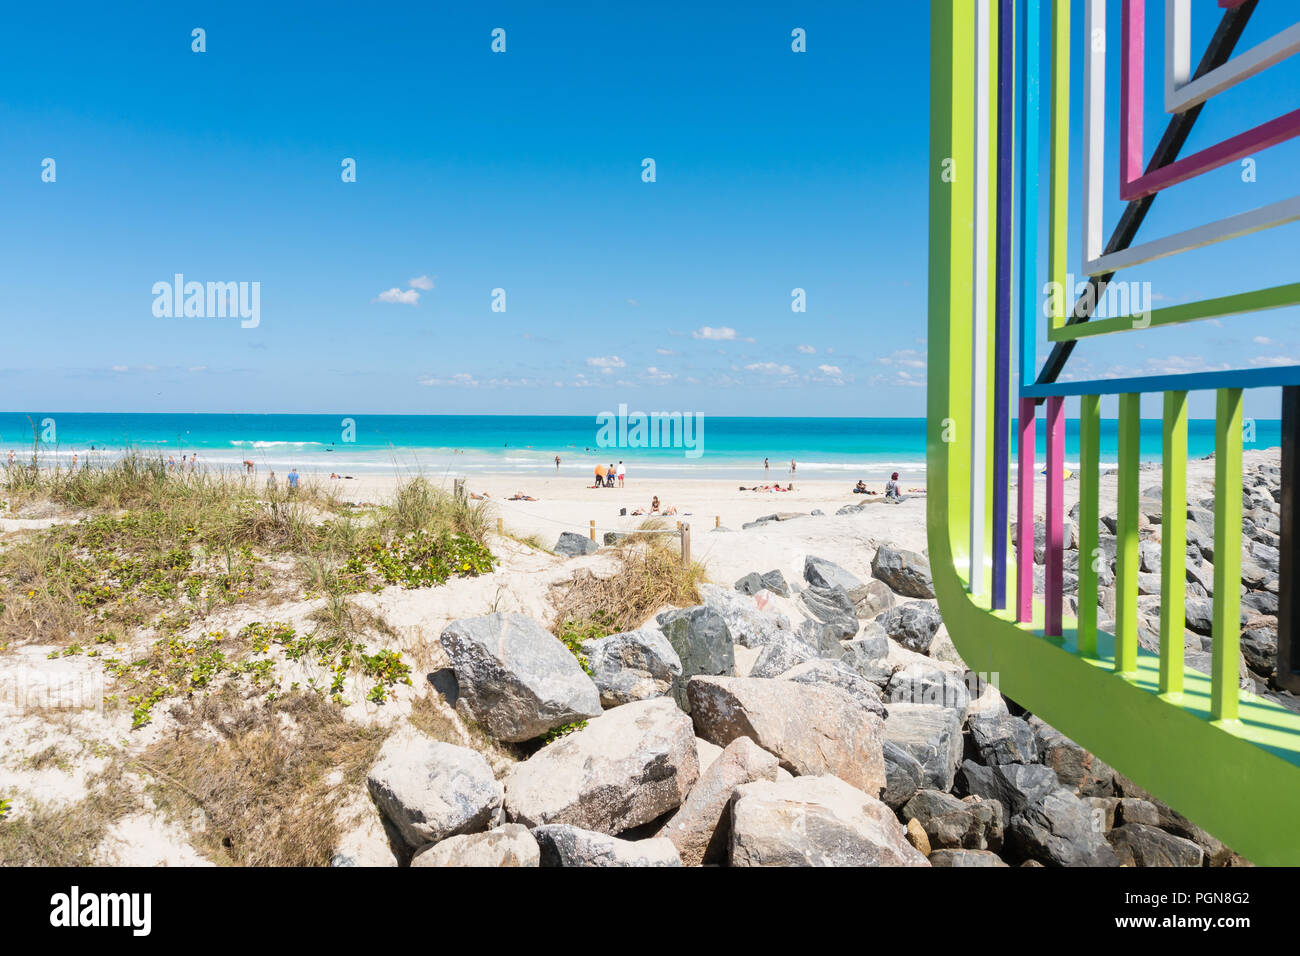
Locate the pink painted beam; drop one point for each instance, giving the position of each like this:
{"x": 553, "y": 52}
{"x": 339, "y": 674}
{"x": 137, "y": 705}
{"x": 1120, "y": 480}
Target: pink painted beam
{"x": 1054, "y": 585}
{"x": 1133, "y": 184}
{"x": 1025, "y": 514}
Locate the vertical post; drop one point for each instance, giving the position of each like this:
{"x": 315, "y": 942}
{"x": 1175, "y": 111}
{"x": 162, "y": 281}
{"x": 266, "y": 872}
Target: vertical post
{"x": 1060, "y": 157}
{"x": 717, "y": 521}
{"x": 686, "y": 545}
{"x": 1227, "y": 555}
{"x": 1173, "y": 544}
{"x": 1002, "y": 299}
{"x": 458, "y": 488}
{"x": 1054, "y": 585}
{"x": 500, "y": 529}
{"x": 980, "y": 297}
{"x": 1126, "y": 534}
{"x": 1089, "y": 505}
{"x": 1025, "y": 514}
{"x": 593, "y": 529}
{"x": 1288, "y": 621}
{"x": 1029, "y": 43}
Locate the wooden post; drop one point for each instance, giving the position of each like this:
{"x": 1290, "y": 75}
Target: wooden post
{"x": 458, "y": 488}
{"x": 500, "y": 530}
{"x": 593, "y": 529}
{"x": 686, "y": 544}
{"x": 717, "y": 521}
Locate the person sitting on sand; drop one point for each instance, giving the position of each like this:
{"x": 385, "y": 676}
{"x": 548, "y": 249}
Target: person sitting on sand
{"x": 891, "y": 488}
{"x": 520, "y": 496}
{"x": 860, "y": 488}
{"x": 656, "y": 508}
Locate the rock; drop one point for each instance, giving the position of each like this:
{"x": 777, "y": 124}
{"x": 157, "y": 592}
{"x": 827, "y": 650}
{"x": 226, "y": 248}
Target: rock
{"x": 864, "y": 651}
{"x": 878, "y": 598}
{"x": 999, "y": 740}
{"x": 565, "y": 845}
{"x": 916, "y": 836}
{"x": 1015, "y": 786}
{"x": 906, "y": 572}
{"x": 913, "y": 624}
{"x": 1259, "y": 646}
{"x": 1103, "y": 811}
{"x": 514, "y": 678}
{"x": 965, "y": 858}
{"x": 703, "y": 643}
{"x": 750, "y": 584}
{"x": 781, "y": 655}
{"x": 823, "y": 637}
{"x": 1057, "y": 829}
{"x": 827, "y": 574}
{"x": 367, "y": 838}
{"x": 701, "y": 829}
{"x": 943, "y": 649}
{"x": 1140, "y": 844}
{"x": 508, "y": 845}
{"x": 903, "y": 774}
{"x": 707, "y": 753}
{"x": 775, "y": 582}
{"x": 625, "y": 768}
{"x": 1136, "y": 810}
{"x": 950, "y": 823}
{"x": 748, "y": 624}
{"x": 1171, "y": 821}
{"x": 986, "y": 700}
{"x": 1077, "y": 770}
{"x": 815, "y": 821}
{"x": 632, "y": 665}
{"x": 831, "y": 606}
{"x": 811, "y": 730}
{"x": 930, "y": 734}
{"x": 430, "y": 790}
{"x": 920, "y": 683}
{"x": 571, "y": 544}
{"x": 823, "y": 673}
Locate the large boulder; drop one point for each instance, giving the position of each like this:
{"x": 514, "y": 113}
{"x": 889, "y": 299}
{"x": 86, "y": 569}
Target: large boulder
{"x": 781, "y": 655}
{"x": 625, "y": 768}
{"x": 1015, "y": 786}
{"x": 824, "y": 637}
{"x": 922, "y": 683}
{"x": 703, "y": 643}
{"x": 748, "y": 624}
{"x": 815, "y": 821}
{"x": 1077, "y": 769}
{"x": 633, "y": 665}
{"x": 949, "y": 823}
{"x": 1140, "y": 844}
{"x": 571, "y": 544}
{"x": 930, "y": 734}
{"x": 431, "y": 790}
{"x": 906, "y": 572}
{"x": 565, "y": 845}
{"x": 827, "y": 574}
{"x": 1002, "y": 738}
{"x": 831, "y": 606}
{"x": 514, "y": 678}
{"x": 823, "y": 673}
{"x": 876, "y": 597}
{"x": 508, "y": 845}
{"x": 811, "y": 730}
{"x": 701, "y": 829}
{"x": 903, "y": 775}
{"x": 913, "y": 624}
{"x": 965, "y": 858}
{"x": 1059, "y": 829}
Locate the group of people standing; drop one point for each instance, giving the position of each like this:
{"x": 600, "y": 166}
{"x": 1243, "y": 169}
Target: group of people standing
{"x": 606, "y": 476}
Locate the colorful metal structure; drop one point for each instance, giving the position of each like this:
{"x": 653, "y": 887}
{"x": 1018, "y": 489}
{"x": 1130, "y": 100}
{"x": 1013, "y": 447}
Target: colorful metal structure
{"x": 1001, "y": 97}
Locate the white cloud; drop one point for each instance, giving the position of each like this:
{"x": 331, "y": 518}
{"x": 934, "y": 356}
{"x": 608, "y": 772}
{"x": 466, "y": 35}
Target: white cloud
{"x": 666, "y": 351}
{"x": 198, "y": 368}
{"x": 769, "y": 368}
{"x": 1262, "y": 340}
{"x": 1274, "y": 360}
{"x": 119, "y": 368}
{"x": 397, "y": 296}
{"x": 658, "y": 374}
{"x": 721, "y": 334}
{"x": 606, "y": 362}
{"x": 633, "y": 302}
{"x": 807, "y": 350}
{"x": 903, "y": 358}
{"x": 830, "y": 370}
{"x": 421, "y": 282}
{"x": 460, "y": 378}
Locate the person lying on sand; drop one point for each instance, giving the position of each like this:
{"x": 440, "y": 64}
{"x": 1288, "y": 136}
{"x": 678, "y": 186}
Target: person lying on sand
{"x": 520, "y": 496}
{"x": 481, "y": 497}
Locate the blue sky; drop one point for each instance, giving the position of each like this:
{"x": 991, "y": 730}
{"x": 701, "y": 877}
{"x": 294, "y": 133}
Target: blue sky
{"x": 520, "y": 171}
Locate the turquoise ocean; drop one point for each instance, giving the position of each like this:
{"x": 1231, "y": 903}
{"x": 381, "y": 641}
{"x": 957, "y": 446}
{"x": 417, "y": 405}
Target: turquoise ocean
{"x": 436, "y": 445}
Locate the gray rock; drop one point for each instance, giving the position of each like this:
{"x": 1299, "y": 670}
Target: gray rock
{"x": 1077, "y": 770}
{"x": 1171, "y": 821}
{"x": 750, "y": 584}
{"x": 906, "y": 572}
{"x": 920, "y": 683}
{"x": 571, "y": 544}
{"x": 625, "y": 768}
{"x": 632, "y": 665}
{"x": 779, "y": 656}
{"x": 831, "y": 606}
{"x": 825, "y": 673}
{"x": 1015, "y": 786}
{"x": 1136, "y": 810}
{"x": 815, "y": 821}
{"x": 1057, "y": 829}
{"x": 565, "y": 845}
{"x": 903, "y": 774}
{"x": 775, "y": 582}
{"x": 1259, "y": 646}
{"x": 878, "y": 597}
{"x": 930, "y": 734}
{"x": 965, "y": 858}
{"x": 703, "y": 643}
{"x": 508, "y": 845}
{"x": 823, "y": 637}
{"x": 1139, "y": 844}
{"x": 913, "y": 624}
{"x": 701, "y": 829}
{"x": 827, "y": 574}
{"x": 811, "y": 730}
{"x": 514, "y": 678}
{"x": 430, "y": 790}
{"x": 1003, "y": 739}
{"x": 950, "y": 823}
{"x": 748, "y": 625}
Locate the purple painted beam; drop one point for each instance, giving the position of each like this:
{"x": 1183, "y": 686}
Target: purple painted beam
{"x": 1054, "y": 586}
{"x": 1002, "y": 299}
{"x": 1025, "y": 513}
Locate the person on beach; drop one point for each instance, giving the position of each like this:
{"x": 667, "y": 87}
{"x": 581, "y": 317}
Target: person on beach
{"x": 250, "y": 468}
{"x": 891, "y": 488}
{"x": 792, "y": 466}
{"x": 622, "y": 473}
{"x": 600, "y": 477}
{"x": 860, "y": 488}
{"x": 520, "y": 496}
{"x": 270, "y": 482}
{"x": 557, "y": 462}
{"x": 11, "y": 457}
{"x": 766, "y": 465}
{"x": 656, "y": 509}
{"x": 293, "y": 480}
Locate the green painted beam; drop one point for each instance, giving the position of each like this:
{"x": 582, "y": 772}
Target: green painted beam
{"x": 1227, "y": 553}
{"x": 1173, "y": 544}
{"x": 1089, "y": 517}
{"x": 1276, "y": 297}
{"x": 1126, "y": 535}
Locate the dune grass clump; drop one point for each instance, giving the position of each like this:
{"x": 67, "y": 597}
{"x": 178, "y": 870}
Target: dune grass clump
{"x": 58, "y": 834}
